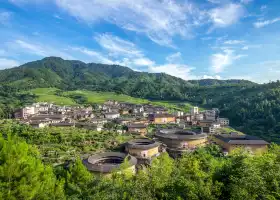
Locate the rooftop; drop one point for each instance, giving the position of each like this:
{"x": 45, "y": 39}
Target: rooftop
{"x": 241, "y": 139}
{"x": 137, "y": 126}
{"x": 144, "y": 144}
{"x": 163, "y": 115}
{"x": 108, "y": 161}
{"x": 180, "y": 134}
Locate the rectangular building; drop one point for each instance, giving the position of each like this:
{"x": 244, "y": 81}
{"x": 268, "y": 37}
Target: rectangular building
{"x": 137, "y": 128}
{"x": 223, "y": 121}
{"x": 162, "y": 118}
{"x": 229, "y": 142}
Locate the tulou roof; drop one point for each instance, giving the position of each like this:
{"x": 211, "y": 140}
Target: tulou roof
{"x": 180, "y": 134}
{"x": 106, "y": 162}
{"x": 144, "y": 144}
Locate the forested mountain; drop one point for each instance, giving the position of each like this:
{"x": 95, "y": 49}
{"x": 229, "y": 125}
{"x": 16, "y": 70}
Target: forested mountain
{"x": 69, "y": 75}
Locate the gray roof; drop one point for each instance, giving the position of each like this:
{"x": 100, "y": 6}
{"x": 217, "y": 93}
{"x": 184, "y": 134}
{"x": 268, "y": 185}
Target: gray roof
{"x": 144, "y": 144}
{"x": 137, "y": 126}
{"x": 39, "y": 117}
{"x": 111, "y": 113}
{"x": 63, "y": 124}
{"x": 163, "y": 115}
{"x": 180, "y": 134}
{"x": 241, "y": 139}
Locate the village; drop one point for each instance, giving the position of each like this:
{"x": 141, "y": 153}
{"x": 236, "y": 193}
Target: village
{"x": 159, "y": 130}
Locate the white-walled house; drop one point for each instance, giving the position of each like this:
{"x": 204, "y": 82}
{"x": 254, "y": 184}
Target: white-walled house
{"x": 223, "y": 121}
{"x": 112, "y": 115}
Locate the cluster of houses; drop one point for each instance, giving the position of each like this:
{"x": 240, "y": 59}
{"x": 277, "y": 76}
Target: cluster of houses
{"x": 130, "y": 117}
{"x": 136, "y": 118}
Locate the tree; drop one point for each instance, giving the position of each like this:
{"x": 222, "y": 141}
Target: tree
{"x": 22, "y": 174}
{"x": 78, "y": 180}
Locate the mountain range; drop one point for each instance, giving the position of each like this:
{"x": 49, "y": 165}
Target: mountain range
{"x": 72, "y": 74}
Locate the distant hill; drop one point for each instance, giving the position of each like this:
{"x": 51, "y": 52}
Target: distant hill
{"x": 73, "y": 75}
{"x": 216, "y": 82}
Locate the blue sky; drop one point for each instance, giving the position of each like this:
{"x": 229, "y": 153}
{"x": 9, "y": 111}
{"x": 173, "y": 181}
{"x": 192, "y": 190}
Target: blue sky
{"x": 190, "y": 39}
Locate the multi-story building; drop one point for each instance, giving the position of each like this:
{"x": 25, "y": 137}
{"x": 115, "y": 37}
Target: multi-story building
{"x": 162, "y": 118}
{"x": 112, "y": 115}
{"x": 143, "y": 149}
{"x": 229, "y": 142}
{"x": 210, "y": 115}
{"x": 198, "y": 117}
{"x": 194, "y": 110}
{"x": 223, "y": 121}
{"x": 212, "y": 129}
{"x": 25, "y": 112}
{"x": 137, "y": 128}
{"x": 180, "y": 140}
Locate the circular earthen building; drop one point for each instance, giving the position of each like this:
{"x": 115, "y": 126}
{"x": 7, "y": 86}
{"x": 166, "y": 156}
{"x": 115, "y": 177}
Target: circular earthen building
{"x": 107, "y": 162}
{"x": 180, "y": 140}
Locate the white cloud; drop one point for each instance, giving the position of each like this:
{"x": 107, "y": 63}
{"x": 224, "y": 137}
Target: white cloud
{"x": 247, "y": 47}
{"x": 159, "y": 20}
{"x": 232, "y": 42}
{"x": 94, "y": 56}
{"x": 174, "y": 67}
{"x": 261, "y": 24}
{"x": 178, "y": 70}
{"x": 143, "y": 62}
{"x": 246, "y": 1}
{"x": 39, "y": 49}
{"x": 263, "y": 8}
{"x": 206, "y": 38}
{"x": 117, "y": 46}
{"x": 57, "y": 16}
{"x": 226, "y": 15}
{"x": 8, "y": 63}
{"x": 220, "y": 61}
{"x": 32, "y": 48}
{"x": 2, "y": 51}
{"x": 5, "y": 17}
{"x": 214, "y": 1}
{"x": 174, "y": 58}
{"x": 211, "y": 77}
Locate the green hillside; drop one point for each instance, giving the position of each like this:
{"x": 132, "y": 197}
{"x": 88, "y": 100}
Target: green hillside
{"x": 101, "y": 97}
{"x": 54, "y": 95}
{"x": 49, "y": 95}
{"x": 71, "y": 75}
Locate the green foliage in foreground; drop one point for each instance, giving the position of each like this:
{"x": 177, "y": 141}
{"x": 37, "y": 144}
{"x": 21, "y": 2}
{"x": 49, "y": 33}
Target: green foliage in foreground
{"x": 57, "y": 145}
{"x": 23, "y": 175}
{"x": 204, "y": 174}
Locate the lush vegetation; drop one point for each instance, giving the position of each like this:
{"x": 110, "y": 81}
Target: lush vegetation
{"x": 76, "y": 97}
{"x": 58, "y": 145}
{"x": 252, "y": 109}
{"x": 204, "y": 174}
{"x": 76, "y": 75}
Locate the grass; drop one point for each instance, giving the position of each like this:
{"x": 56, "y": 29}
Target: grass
{"x": 49, "y": 95}
{"x": 228, "y": 130}
{"x": 101, "y": 97}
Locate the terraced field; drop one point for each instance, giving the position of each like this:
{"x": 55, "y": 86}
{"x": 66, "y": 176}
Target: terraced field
{"x": 49, "y": 95}
{"x": 56, "y": 96}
